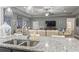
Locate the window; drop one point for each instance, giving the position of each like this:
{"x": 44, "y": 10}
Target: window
{"x": 19, "y": 22}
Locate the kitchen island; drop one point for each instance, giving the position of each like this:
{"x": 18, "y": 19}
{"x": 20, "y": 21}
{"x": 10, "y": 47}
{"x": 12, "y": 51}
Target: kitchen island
{"x": 46, "y": 44}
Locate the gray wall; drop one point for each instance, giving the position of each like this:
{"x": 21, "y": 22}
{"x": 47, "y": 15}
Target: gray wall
{"x": 27, "y": 21}
{"x": 14, "y": 21}
{"x": 77, "y": 27}
{"x": 60, "y": 21}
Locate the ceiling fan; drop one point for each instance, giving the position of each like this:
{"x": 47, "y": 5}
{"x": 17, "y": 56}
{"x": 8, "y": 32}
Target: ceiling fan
{"x": 48, "y": 11}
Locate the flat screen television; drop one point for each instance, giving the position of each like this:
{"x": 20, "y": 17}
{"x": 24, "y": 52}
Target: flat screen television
{"x": 51, "y": 23}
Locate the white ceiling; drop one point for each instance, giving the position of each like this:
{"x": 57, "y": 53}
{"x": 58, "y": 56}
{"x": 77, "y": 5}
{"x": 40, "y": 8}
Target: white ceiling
{"x": 52, "y": 10}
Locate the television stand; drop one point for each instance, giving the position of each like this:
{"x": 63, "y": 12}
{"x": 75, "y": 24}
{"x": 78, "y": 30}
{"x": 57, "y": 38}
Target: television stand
{"x": 51, "y": 28}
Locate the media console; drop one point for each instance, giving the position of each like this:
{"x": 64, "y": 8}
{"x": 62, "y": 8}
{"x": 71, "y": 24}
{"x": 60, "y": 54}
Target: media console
{"x": 44, "y": 32}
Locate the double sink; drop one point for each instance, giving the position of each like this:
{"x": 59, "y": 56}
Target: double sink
{"x": 29, "y": 43}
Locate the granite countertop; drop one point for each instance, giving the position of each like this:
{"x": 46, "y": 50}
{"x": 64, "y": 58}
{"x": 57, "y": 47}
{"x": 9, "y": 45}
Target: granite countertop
{"x": 51, "y": 44}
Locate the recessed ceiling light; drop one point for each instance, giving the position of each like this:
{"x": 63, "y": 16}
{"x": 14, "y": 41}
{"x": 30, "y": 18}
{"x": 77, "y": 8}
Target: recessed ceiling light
{"x": 47, "y": 14}
{"x": 24, "y": 7}
{"x": 65, "y": 11}
{"x": 29, "y": 7}
{"x": 9, "y": 10}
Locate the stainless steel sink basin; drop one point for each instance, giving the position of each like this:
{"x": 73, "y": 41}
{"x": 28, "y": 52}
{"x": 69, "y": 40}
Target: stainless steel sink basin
{"x": 14, "y": 42}
{"x": 30, "y": 43}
